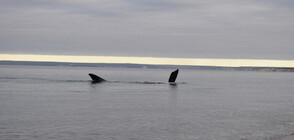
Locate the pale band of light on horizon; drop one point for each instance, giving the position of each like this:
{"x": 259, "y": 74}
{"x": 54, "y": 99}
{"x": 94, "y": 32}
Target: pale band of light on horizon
{"x": 149, "y": 60}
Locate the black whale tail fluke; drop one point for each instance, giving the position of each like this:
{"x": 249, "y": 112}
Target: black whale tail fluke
{"x": 173, "y": 76}
{"x": 96, "y": 79}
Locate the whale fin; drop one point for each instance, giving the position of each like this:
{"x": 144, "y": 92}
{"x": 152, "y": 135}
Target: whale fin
{"x": 96, "y": 79}
{"x": 173, "y": 76}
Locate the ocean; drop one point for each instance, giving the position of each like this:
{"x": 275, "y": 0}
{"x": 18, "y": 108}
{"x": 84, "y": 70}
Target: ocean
{"x": 56, "y": 102}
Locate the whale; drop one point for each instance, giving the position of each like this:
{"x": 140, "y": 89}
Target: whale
{"x": 96, "y": 79}
{"x": 172, "y": 78}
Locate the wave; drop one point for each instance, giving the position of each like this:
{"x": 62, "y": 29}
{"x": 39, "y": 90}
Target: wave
{"x": 146, "y": 82}
{"x": 81, "y": 81}
{"x": 41, "y": 79}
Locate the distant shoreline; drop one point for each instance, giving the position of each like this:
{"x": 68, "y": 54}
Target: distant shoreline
{"x": 129, "y": 65}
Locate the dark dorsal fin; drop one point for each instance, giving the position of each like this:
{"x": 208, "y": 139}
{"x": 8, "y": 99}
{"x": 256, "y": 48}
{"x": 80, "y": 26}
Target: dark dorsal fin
{"x": 96, "y": 78}
{"x": 173, "y": 76}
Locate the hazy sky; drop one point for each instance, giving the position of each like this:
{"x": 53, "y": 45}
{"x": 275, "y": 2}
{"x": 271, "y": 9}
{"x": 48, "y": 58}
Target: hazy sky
{"x": 262, "y": 29}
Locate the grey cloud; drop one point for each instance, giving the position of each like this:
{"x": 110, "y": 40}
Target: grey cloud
{"x": 56, "y": 5}
{"x": 154, "y": 5}
{"x": 162, "y": 28}
{"x": 280, "y": 4}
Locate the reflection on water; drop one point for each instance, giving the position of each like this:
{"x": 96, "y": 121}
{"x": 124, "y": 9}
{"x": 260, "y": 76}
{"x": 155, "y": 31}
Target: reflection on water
{"x": 173, "y": 121}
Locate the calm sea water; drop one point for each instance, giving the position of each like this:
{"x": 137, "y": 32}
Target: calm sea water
{"x": 41, "y": 103}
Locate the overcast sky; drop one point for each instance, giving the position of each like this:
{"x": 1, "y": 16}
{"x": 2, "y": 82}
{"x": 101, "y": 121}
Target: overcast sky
{"x": 252, "y": 29}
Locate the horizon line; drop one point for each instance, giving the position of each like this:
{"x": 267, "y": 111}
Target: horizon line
{"x": 149, "y": 60}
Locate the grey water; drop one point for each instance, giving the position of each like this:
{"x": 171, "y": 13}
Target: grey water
{"x": 61, "y": 103}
